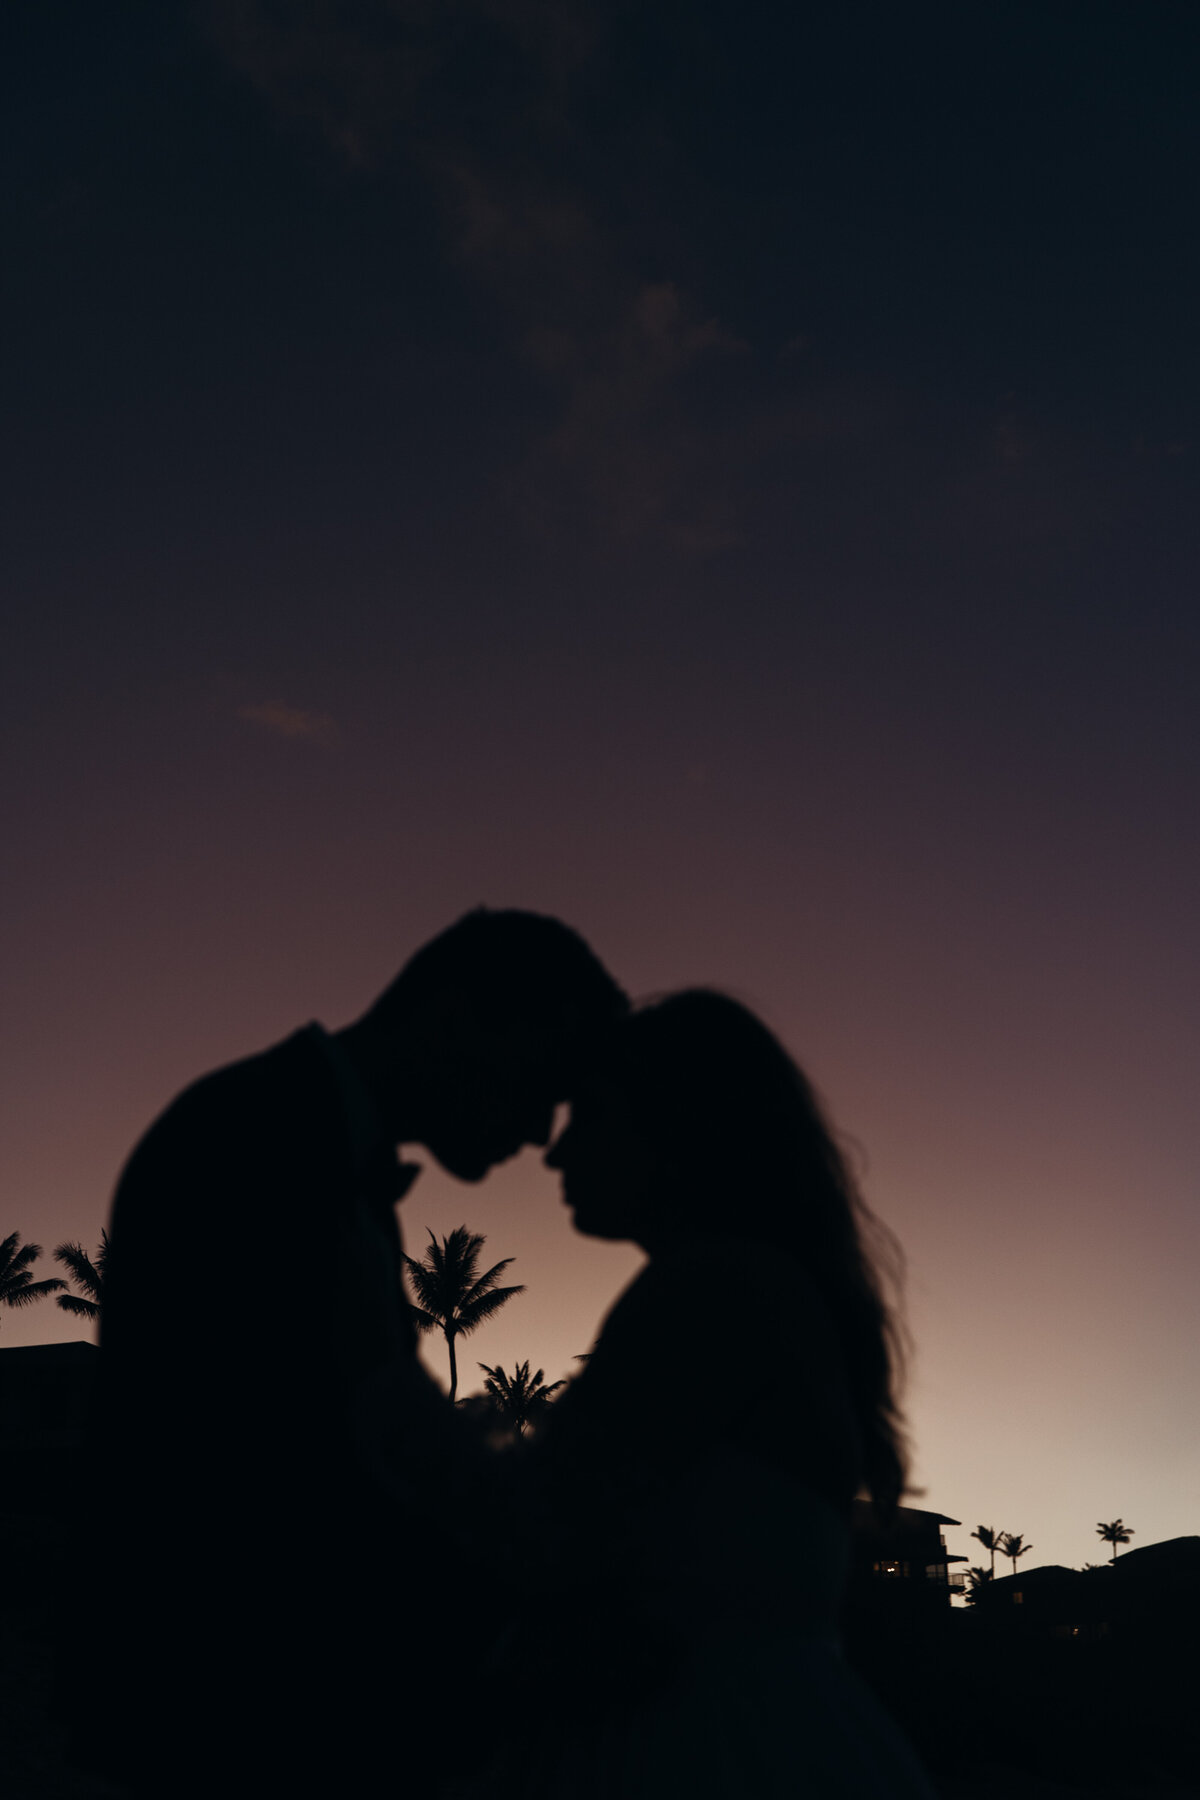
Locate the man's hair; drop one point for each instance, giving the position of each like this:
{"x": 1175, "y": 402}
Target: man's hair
{"x": 511, "y": 964}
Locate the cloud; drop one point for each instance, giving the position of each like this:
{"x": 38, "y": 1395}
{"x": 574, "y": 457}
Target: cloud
{"x": 648, "y": 462}
{"x": 286, "y": 721}
{"x": 487, "y": 101}
{"x": 655, "y": 422}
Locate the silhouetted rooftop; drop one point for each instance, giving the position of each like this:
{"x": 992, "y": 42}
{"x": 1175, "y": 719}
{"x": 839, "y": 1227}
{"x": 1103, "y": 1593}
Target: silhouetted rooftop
{"x": 1173, "y": 1556}
{"x": 907, "y": 1518}
{"x": 1043, "y": 1576}
{"x": 30, "y": 1356}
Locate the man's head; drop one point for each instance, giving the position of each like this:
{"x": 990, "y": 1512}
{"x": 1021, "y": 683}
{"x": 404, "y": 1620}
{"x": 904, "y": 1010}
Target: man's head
{"x": 483, "y": 1032}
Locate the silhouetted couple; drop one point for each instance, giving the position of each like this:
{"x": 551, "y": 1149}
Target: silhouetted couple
{"x": 310, "y": 1574}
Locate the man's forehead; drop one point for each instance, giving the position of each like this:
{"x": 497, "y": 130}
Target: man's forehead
{"x": 559, "y": 1050}
{"x": 555, "y": 1035}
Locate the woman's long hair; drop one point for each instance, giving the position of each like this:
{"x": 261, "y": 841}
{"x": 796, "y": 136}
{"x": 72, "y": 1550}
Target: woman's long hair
{"x": 750, "y": 1155}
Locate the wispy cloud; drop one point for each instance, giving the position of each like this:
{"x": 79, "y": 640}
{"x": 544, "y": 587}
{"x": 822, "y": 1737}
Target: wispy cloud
{"x": 614, "y": 343}
{"x": 284, "y": 721}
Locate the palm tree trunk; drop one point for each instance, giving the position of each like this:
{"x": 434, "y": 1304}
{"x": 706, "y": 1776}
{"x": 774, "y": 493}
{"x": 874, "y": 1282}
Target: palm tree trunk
{"x": 453, "y": 1367}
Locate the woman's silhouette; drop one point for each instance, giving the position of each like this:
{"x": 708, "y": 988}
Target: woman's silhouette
{"x": 695, "y": 1483}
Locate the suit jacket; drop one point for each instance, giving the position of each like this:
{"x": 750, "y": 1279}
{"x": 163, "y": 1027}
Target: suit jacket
{"x": 248, "y": 1555}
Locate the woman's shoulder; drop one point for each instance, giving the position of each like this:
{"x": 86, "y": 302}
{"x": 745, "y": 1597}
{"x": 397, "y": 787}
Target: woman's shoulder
{"x": 702, "y": 1296}
{"x": 740, "y": 1273}
{"x": 682, "y": 1286}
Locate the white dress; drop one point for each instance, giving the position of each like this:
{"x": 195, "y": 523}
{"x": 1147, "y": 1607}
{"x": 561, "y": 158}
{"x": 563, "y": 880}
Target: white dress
{"x": 698, "y": 1654}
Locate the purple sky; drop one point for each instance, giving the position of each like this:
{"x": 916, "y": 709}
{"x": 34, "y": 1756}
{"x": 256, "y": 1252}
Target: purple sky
{"x": 729, "y": 482}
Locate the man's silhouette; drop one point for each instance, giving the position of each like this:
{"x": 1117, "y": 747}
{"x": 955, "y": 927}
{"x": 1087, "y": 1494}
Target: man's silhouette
{"x": 267, "y": 1623}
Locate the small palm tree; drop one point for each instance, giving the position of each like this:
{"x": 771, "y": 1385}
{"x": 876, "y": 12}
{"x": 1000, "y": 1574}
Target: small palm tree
{"x": 518, "y": 1399}
{"x": 1013, "y": 1545}
{"x": 990, "y": 1540}
{"x": 977, "y": 1580}
{"x": 452, "y": 1296}
{"x": 17, "y": 1286}
{"x": 88, "y": 1274}
{"x": 1116, "y": 1533}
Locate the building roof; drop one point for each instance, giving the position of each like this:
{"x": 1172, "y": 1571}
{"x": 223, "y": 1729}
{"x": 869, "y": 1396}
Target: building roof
{"x": 907, "y": 1518}
{"x": 1045, "y": 1575}
{"x": 49, "y": 1356}
{"x": 1171, "y": 1557}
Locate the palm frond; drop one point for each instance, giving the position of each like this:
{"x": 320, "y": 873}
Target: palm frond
{"x": 519, "y": 1398}
{"x": 977, "y": 1580}
{"x": 484, "y": 1282}
{"x": 26, "y": 1290}
{"x": 17, "y": 1286}
{"x": 497, "y": 1384}
{"x": 471, "y": 1317}
{"x": 424, "y": 1283}
{"x": 448, "y": 1292}
{"x": 75, "y": 1258}
{"x": 83, "y": 1309}
{"x": 13, "y": 1259}
{"x": 458, "y": 1254}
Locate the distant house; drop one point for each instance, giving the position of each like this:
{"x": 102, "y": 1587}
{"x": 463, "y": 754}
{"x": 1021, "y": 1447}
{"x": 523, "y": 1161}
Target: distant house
{"x": 897, "y": 1621}
{"x": 1048, "y": 1602}
{"x": 899, "y": 1570}
{"x": 1154, "y": 1591}
{"x": 1150, "y": 1594}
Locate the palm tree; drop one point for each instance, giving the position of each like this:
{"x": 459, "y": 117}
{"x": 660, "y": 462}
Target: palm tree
{"x": 1116, "y": 1533}
{"x": 17, "y": 1286}
{"x": 88, "y": 1274}
{"x": 452, "y": 1296}
{"x": 1013, "y": 1546}
{"x": 518, "y": 1399}
{"x": 990, "y": 1540}
{"x": 977, "y": 1580}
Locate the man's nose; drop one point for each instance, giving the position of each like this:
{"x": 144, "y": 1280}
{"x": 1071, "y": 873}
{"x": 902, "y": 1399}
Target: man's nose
{"x": 540, "y": 1125}
{"x": 555, "y": 1155}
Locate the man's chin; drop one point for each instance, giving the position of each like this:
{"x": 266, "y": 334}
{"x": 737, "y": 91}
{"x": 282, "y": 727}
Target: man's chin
{"x": 464, "y": 1165}
{"x": 595, "y": 1225}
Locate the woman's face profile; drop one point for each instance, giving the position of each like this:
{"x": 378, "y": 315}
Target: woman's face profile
{"x": 608, "y": 1166}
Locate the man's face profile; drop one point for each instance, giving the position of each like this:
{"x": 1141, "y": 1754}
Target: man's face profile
{"x": 502, "y": 1084}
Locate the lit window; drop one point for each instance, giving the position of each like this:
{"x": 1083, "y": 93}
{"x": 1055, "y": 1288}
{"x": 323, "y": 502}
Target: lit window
{"x": 1018, "y": 1599}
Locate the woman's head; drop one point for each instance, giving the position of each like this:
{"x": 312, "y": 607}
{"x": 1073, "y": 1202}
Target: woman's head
{"x": 696, "y": 1121}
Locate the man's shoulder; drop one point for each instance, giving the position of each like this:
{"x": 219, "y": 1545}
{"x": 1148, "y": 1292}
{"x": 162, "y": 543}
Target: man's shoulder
{"x": 296, "y": 1062}
{"x": 257, "y": 1100}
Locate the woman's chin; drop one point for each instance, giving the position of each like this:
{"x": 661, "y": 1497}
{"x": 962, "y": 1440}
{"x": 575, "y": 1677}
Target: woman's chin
{"x": 597, "y": 1226}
